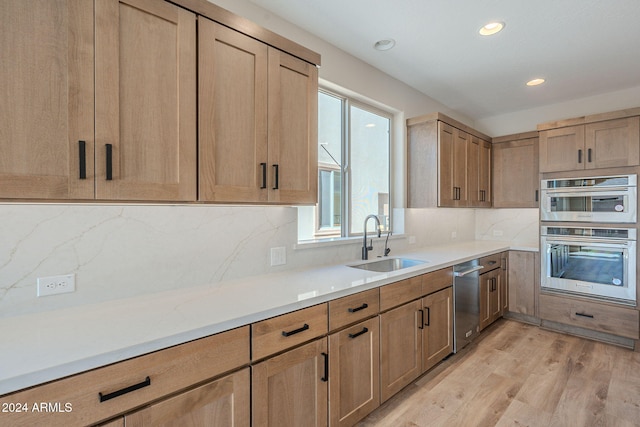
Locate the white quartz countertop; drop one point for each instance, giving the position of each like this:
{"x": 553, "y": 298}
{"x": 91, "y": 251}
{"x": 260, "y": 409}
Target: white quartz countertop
{"x": 34, "y": 348}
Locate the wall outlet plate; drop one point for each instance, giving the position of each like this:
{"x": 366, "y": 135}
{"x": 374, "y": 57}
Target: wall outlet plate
{"x": 53, "y": 285}
{"x": 278, "y": 256}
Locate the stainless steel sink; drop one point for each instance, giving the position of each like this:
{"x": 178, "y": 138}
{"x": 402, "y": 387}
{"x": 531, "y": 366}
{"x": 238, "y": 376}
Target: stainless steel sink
{"x": 388, "y": 264}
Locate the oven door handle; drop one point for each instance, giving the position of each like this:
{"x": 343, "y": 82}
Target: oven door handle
{"x": 622, "y": 243}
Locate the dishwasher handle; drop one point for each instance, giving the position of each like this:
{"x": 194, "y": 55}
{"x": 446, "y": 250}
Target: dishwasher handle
{"x": 469, "y": 271}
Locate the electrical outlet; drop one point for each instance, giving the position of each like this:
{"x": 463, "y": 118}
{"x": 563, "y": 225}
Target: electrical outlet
{"x": 412, "y": 240}
{"x": 454, "y": 234}
{"x": 53, "y": 285}
{"x": 497, "y": 233}
{"x": 278, "y": 256}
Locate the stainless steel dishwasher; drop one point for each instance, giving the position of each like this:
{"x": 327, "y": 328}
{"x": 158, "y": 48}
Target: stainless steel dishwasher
{"x": 466, "y": 303}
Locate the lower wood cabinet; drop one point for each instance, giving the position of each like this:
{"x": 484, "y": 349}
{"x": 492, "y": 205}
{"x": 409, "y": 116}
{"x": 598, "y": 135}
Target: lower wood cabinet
{"x": 413, "y": 338}
{"x": 523, "y": 283}
{"x": 400, "y": 347}
{"x": 437, "y": 332}
{"x": 490, "y": 284}
{"x": 223, "y": 402}
{"x": 290, "y": 389}
{"x": 354, "y": 373}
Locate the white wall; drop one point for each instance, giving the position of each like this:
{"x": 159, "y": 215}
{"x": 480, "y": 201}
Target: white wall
{"x": 527, "y": 120}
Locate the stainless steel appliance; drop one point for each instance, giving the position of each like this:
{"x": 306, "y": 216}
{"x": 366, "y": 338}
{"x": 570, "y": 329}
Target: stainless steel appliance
{"x": 597, "y": 262}
{"x": 466, "y": 303}
{"x": 595, "y": 199}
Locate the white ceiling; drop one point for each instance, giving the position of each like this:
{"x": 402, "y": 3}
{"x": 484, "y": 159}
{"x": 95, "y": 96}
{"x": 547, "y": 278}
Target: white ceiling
{"x": 581, "y": 47}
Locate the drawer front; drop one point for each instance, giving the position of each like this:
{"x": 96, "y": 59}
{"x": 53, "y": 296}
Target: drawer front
{"x": 353, "y": 308}
{"x": 621, "y": 321}
{"x": 280, "y": 333}
{"x": 130, "y": 384}
{"x": 437, "y": 280}
{"x": 400, "y": 292}
{"x": 491, "y": 262}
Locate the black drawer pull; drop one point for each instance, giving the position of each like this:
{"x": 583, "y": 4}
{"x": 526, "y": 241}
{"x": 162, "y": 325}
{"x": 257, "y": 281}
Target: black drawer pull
{"x": 325, "y": 378}
{"x": 363, "y": 331}
{"x": 109, "y": 172}
{"x": 109, "y": 396}
{"x": 276, "y": 169}
{"x": 82, "y": 157}
{"x": 264, "y": 175}
{"x": 590, "y": 316}
{"x": 362, "y": 307}
{"x": 295, "y": 331}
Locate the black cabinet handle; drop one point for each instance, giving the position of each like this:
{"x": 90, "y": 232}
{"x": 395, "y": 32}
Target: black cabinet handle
{"x": 589, "y": 155}
{"x": 357, "y": 334}
{"x": 109, "y": 149}
{"x": 579, "y": 156}
{"x": 362, "y": 307}
{"x": 421, "y": 319}
{"x": 82, "y": 158}
{"x": 590, "y": 316}
{"x": 109, "y": 396}
{"x": 276, "y": 169}
{"x": 295, "y": 331}
{"x": 536, "y": 196}
{"x": 325, "y": 378}
{"x": 428, "y": 316}
{"x": 264, "y": 175}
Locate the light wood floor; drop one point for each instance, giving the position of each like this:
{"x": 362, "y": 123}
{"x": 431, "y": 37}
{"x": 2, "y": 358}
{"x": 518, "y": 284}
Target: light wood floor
{"x": 520, "y": 375}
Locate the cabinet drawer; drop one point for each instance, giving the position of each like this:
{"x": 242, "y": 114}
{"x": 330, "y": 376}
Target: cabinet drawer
{"x": 279, "y": 333}
{"x": 436, "y": 280}
{"x": 353, "y": 308}
{"x": 132, "y": 383}
{"x": 491, "y": 262}
{"x": 613, "y": 320}
{"x": 400, "y": 292}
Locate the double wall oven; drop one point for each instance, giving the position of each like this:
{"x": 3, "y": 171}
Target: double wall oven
{"x": 588, "y": 237}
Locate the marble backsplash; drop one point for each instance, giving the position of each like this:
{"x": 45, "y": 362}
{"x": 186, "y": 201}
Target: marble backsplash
{"x": 118, "y": 251}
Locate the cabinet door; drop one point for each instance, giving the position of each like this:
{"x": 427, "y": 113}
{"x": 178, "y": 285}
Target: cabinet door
{"x": 293, "y": 129}
{"x": 521, "y": 282}
{"x": 461, "y": 143}
{"x": 354, "y": 373}
{"x": 503, "y": 282}
{"x": 473, "y": 171}
{"x": 489, "y": 297}
{"x": 515, "y": 174}
{"x": 437, "y": 334}
{"x": 447, "y": 195}
{"x": 400, "y": 348}
{"x": 145, "y": 101}
{"x": 290, "y": 389}
{"x": 562, "y": 149}
{"x": 46, "y": 99}
{"x": 232, "y": 115}
{"x": 484, "y": 174}
{"x": 223, "y": 402}
{"x": 613, "y": 143}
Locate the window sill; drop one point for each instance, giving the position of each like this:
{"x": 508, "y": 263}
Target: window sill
{"x": 340, "y": 241}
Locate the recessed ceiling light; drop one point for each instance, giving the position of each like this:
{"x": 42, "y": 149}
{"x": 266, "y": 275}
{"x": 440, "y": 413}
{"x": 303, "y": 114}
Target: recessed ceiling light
{"x": 491, "y": 28}
{"x": 370, "y": 125}
{"x": 385, "y": 44}
{"x": 535, "y": 82}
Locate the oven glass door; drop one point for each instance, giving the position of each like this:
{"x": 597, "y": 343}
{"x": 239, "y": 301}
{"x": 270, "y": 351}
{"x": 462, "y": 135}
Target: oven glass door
{"x": 608, "y": 206}
{"x": 593, "y": 268}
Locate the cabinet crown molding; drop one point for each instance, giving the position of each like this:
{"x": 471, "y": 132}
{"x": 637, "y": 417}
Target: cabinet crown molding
{"x": 619, "y": 114}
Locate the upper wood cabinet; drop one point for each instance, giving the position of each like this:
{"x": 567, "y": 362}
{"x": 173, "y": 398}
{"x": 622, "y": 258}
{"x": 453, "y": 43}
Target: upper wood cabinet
{"x": 143, "y": 87}
{"x": 46, "y": 99}
{"x": 257, "y": 120}
{"x": 145, "y": 101}
{"x": 449, "y": 164}
{"x": 515, "y": 171}
{"x": 115, "y": 117}
{"x": 597, "y": 144}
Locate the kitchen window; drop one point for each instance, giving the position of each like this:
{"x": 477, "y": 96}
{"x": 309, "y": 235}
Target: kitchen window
{"x": 353, "y": 169}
